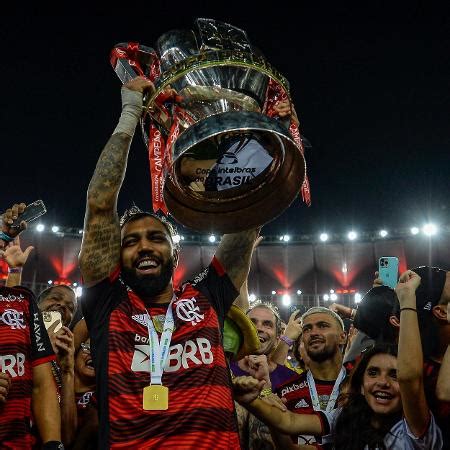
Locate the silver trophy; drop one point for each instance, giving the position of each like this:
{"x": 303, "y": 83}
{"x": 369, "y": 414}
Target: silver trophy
{"x": 221, "y": 159}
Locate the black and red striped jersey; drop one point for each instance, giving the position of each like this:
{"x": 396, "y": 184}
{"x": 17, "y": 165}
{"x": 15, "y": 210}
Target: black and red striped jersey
{"x": 24, "y": 344}
{"x": 201, "y": 410}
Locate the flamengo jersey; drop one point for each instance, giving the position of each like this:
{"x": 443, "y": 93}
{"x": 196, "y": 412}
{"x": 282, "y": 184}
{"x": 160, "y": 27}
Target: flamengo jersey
{"x": 24, "y": 344}
{"x": 201, "y": 410}
{"x": 296, "y": 392}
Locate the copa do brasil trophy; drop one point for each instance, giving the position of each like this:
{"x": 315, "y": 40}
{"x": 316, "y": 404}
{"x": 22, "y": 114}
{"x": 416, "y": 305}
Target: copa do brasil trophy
{"x": 220, "y": 156}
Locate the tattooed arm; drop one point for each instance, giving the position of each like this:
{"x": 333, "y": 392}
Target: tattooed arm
{"x": 100, "y": 249}
{"x": 235, "y": 253}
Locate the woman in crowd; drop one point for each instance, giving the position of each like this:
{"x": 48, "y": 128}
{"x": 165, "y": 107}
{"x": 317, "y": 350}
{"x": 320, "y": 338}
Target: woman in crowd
{"x": 385, "y": 405}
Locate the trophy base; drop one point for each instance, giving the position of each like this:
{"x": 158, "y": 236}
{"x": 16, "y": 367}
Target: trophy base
{"x": 211, "y": 197}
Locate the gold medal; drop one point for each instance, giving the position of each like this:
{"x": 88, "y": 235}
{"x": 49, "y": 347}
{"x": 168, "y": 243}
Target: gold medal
{"x": 155, "y": 398}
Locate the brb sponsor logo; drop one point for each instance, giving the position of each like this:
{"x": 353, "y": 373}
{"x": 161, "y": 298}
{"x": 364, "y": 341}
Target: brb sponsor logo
{"x": 195, "y": 352}
{"x": 14, "y": 319}
{"x": 13, "y": 364}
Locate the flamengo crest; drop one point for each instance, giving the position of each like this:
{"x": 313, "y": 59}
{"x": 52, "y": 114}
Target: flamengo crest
{"x": 187, "y": 310}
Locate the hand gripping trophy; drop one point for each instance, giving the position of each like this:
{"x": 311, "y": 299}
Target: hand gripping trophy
{"x": 221, "y": 157}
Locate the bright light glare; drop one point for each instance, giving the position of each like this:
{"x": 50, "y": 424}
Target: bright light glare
{"x": 285, "y": 238}
{"x": 331, "y": 291}
{"x": 414, "y": 230}
{"x": 49, "y": 282}
{"x": 358, "y": 297}
{"x": 251, "y": 297}
{"x": 333, "y": 297}
{"x": 212, "y": 238}
{"x": 383, "y": 233}
{"x": 326, "y": 297}
{"x": 286, "y": 299}
{"x": 299, "y": 292}
{"x": 344, "y": 268}
{"x": 55, "y": 229}
{"x": 274, "y": 292}
{"x": 40, "y": 227}
{"x": 176, "y": 239}
{"x": 323, "y": 237}
{"x": 429, "y": 229}
{"x": 352, "y": 235}
{"x": 79, "y": 291}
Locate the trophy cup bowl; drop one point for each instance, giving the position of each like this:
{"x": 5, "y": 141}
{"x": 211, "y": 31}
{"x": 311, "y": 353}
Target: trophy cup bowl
{"x": 232, "y": 166}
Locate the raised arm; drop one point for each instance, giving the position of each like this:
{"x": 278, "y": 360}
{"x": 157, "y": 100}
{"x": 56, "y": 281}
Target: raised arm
{"x": 100, "y": 249}
{"x": 443, "y": 382}
{"x": 246, "y": 391}
{"x": 235, "y": 253}
{"x": 410, "y": 357}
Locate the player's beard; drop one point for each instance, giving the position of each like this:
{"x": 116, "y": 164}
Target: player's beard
{"x": 325, "y": 354}
{"x": 147, "y": 286}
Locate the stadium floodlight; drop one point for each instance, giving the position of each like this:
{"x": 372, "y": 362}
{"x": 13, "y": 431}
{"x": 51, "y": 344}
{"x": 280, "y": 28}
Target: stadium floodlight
{"x": 251, "y": 298}
{"x": 383, "y": 233}
{"x": 176, "y": 238}
{"x": 80, "y": 231}
{"x": 212, "y": 238}
{"x": 285, "y": 238}
{"x": 333, "y": 297}
{"x": 344, "y": 268}
{"x": 49, "y": 282}
{"x": 274, "y": 292}
{"x": 299, "y": 292}
{"x": 429, "y": 229}
{"x": 331, "y": 291}
{"x": 414, "y": 230}
{"x": 352, "y": 235}
{"x": 40, "y": 227}
{"x": 78, "y": 291}
{"x": 55, "y": 228}
{"x": 286, "y": 300}
{"x": 323, "y": 237}
{"x": 358, "y": 297}
{"x": 326, "y": 297}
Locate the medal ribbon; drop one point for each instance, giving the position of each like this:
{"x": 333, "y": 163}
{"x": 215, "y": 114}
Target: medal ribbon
{"x": 159, "y": 350}
{"x": 334, "y": 393}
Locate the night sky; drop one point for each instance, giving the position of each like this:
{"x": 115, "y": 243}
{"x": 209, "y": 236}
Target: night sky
{"x": 371, "y": 88}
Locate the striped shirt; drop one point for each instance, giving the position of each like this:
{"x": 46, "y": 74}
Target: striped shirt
{"x": 24, "y": 344}
{"x": 201, "y": 410}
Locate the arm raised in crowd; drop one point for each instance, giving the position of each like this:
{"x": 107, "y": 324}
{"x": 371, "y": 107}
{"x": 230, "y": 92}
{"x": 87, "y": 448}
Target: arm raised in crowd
{"x": 100, "y": 249}
{"x": 45, "y": 404}
{"x": 16, "y": 259}
{"x": 235, "y": 252}
{"x": 65, "y": 350}
{"x": 443, "y": 382}
{"x": 410, "y": 356}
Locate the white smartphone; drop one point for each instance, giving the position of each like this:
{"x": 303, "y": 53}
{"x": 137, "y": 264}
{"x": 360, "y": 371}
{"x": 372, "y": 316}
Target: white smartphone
{"x": 50, "y": 317}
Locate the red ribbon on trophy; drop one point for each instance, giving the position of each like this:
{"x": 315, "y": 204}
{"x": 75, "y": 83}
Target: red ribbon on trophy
{"x": 276, "y": 94}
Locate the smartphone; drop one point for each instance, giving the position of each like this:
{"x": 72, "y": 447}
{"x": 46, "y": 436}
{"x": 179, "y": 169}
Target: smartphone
{"x": 50, "y": 317}
{"x": 388, "y": 270}
{"x": 31, "y": 212}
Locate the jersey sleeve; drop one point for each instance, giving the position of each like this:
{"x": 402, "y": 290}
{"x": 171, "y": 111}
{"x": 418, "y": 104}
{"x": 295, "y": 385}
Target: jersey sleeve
{"x": 41, "y": 348}
{"x": 98, "y": 301}
{"x": 216, "y": 285}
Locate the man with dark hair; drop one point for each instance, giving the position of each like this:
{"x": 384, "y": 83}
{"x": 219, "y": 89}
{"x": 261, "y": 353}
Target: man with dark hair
{"x": 59, "y": 298}
{"x": 317, "y": 389}
{"x": 162, "y": 377}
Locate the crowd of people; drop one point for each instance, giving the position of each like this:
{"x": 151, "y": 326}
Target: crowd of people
{"x": 138, "y": 364}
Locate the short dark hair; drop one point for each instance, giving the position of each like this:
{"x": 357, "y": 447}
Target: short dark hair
{"x": 135, "y": 213}
{"x": 46, "y": 292}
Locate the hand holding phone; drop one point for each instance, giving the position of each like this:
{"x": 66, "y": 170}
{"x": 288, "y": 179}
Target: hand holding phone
{"x": 31, "y": 212}
{"x": 51, "y": 318}
{"x": 388, "y": 270}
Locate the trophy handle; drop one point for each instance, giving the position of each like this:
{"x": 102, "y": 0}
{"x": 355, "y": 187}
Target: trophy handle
{"x": 130, "y": 59}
